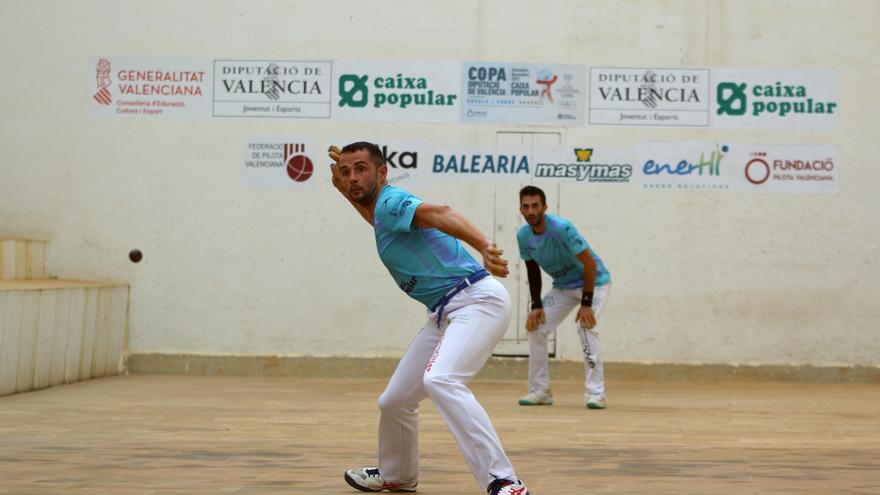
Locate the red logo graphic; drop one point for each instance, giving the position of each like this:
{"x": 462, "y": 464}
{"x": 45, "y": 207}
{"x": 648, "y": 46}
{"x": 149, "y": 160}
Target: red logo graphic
{"x": 299, "y": 167}
{"x": 434, "y": 356}
{"x": 753, "y": 170}
{"x": 102, "y": 77}
{"x": 547, "y": 81}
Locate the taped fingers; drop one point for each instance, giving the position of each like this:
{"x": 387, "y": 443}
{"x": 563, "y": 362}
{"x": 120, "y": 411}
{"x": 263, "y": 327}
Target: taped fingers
{"x": 333, "y": 152}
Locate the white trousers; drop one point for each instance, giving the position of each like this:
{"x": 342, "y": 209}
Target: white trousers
{"x": 439, "y": 364}
{"x": 558, "y": 304}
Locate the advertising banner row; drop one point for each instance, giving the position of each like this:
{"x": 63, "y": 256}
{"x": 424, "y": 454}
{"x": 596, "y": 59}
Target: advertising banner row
{"x": 678, "y": 166}
{"x": 471, "y": 92}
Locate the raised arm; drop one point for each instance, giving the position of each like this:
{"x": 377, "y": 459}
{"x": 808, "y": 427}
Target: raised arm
{"x": 449, "y": 221}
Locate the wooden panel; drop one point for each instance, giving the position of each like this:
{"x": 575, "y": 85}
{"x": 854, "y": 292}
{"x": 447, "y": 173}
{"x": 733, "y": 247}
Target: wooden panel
{"x": 74, "y": 335}
{"x": 102, "y": 333}
{"x": 7, "y": 260}
{"x": 50, "y": 337}
{"x": 90, "y": 319}
{"x": 53, "y": 284}
{"x": 9, "y": 348}
{"x": 118, "y": 318}
{"x": 3, "y": 299}
{"x": 59, "y": 337}
{"x": 37, "y": 268}
{"x": 28, "y": 341}
{"x": 21, "y": 259}
{"x": 45, "y": 329}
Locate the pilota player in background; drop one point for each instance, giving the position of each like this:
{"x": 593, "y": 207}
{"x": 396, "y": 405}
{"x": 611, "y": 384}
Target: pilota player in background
{"x": 580, "y": 280}
{"x": 468, "y": 313}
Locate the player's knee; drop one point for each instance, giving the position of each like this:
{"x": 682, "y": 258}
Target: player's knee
{"x": 436, "y": 383}
{"x": 388, "y": 402}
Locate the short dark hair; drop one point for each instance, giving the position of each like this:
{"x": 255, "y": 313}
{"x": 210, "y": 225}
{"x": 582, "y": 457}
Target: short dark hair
{"x": 532, "y": 191}
{"x": 373, "y": 150}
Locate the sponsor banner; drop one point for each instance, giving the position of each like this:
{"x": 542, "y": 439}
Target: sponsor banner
{"x": 283, "y": 163}
{"x": 522, "y": 93}
{"x": 401, "y": 91}
{"x": 402, "y": 158}
{"x": 149, "y": 88}
{"x": 502, "y": 164}
{"x": 636, "y": 96}
{"x": 787, "y": 168}
{"x": 272, "y": 88}
{"x": 584, "y": 165}
{"x": 775, "y": 99}
{"x": 689, "y": 165}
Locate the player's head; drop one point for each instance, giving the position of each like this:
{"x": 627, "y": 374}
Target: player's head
{"x": 533, "y": 205}
{"x": 362, "y": 167}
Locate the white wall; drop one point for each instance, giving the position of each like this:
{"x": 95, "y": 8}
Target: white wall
{"x": 699, "y": 277}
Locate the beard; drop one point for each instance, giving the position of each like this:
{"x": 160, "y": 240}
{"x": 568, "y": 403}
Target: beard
{"x": 363, "y": 195}
{"x": 536, "y": 221}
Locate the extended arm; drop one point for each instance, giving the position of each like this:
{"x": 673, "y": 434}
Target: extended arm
{"x": 449, "y": 221}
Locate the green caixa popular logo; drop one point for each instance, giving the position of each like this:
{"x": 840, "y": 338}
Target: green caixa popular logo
{"x": 398, "y": 90}
{"x": 780, "y": 98}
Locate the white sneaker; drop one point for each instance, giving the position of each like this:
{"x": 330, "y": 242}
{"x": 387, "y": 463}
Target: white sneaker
{"x": 369, "y": 480}
{"x": 537, "y": 398}
{"x": 596, "y": 401}
{"x": 507, "y": 487}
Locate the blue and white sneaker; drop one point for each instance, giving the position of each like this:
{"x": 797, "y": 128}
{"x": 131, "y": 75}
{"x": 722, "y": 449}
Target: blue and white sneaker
{"x": 595, "y": 401}
{"x": 507, "y": 487}
{"x": 537, "y": 398}
{"x": 369, "y": 480}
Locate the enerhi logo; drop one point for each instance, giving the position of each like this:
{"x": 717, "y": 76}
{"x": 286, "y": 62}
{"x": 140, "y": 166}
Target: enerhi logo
{"x": 706, "y": 165}
{"x": 399, "y": 91}
{"x": 772, "y": 99}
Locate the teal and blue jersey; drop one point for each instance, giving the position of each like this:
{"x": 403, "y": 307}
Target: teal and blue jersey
{"x": 425, "y": 263}
{"x": 556, "y": 252}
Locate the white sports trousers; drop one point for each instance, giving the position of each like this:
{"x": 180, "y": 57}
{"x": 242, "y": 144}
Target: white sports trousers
{"x": 558, "y": 304}
{"x": 439, "y": 364}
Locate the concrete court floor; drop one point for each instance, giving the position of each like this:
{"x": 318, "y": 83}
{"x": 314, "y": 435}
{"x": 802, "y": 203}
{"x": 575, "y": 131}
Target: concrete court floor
{"x": 153, "y": 434}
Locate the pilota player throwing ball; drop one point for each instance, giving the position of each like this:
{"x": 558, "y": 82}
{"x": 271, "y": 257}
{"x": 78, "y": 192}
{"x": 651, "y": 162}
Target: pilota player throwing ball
{"x": 468, "y": 313}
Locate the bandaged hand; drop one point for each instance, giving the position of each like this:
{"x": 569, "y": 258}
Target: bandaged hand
{"x": 534, "y": 319}
{"x": 493, "y": 260}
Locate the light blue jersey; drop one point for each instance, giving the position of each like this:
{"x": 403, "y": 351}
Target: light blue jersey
{"x": 555, "y": 251}
{"x": 425, "y": 263}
